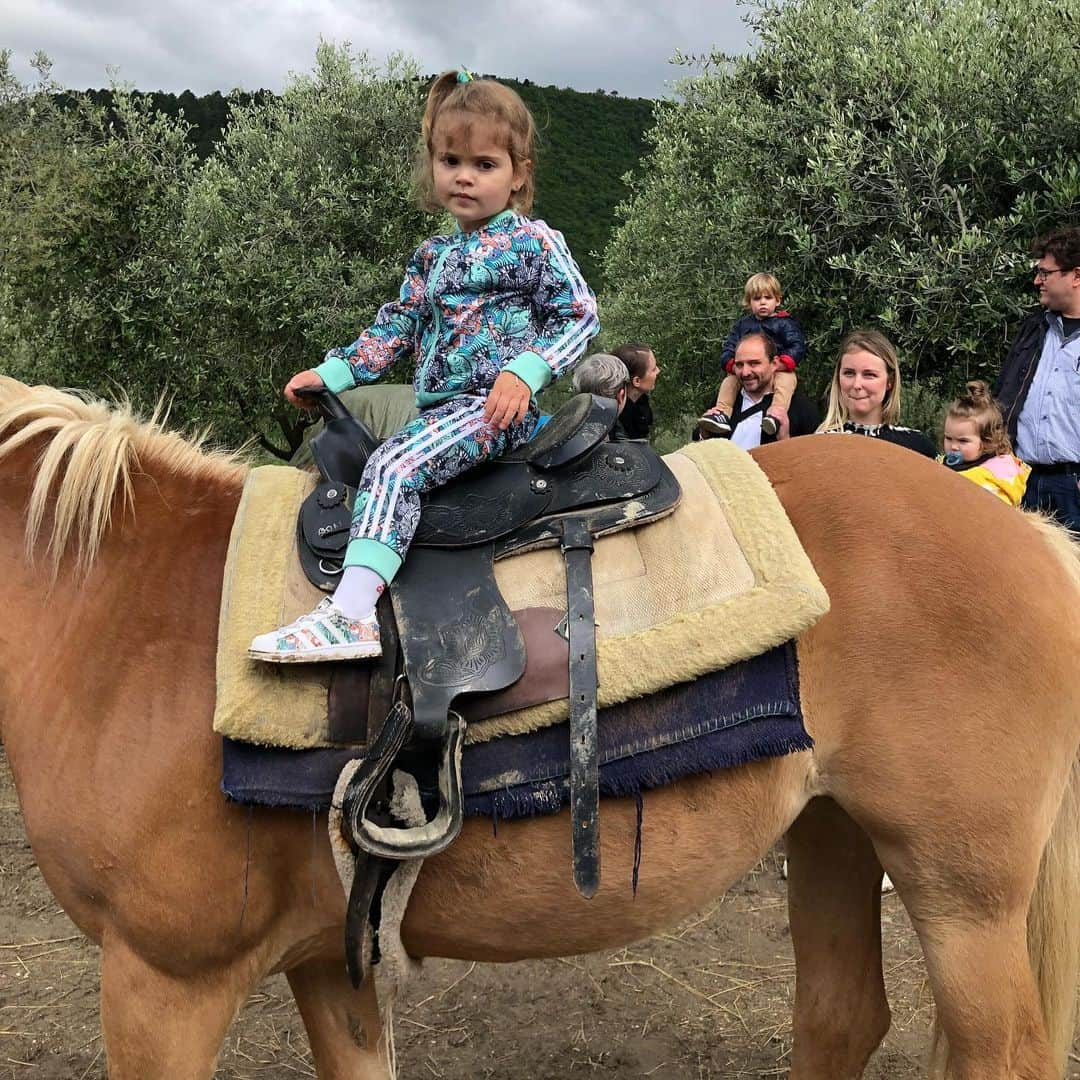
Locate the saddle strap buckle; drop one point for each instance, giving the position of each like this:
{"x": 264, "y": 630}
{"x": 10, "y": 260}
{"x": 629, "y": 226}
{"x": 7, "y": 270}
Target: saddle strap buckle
{"x": 415, "y": 842}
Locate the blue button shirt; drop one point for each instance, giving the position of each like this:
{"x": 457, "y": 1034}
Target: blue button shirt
{"x": 1048, "y": 428}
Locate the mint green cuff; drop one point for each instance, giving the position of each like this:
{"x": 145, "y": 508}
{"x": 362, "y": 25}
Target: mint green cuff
{"x": 384, "y": 560}
{"x": 337, "y": 374}
{"x": 532, "y": 369}
{"x": 373, "y": 555}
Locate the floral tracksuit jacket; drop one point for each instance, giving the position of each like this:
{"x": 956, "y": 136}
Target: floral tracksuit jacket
{"x": 507, "y": 297}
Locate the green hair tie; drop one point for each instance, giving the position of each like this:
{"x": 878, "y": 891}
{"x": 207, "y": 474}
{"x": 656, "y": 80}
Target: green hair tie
{"x": 463, "y": 75}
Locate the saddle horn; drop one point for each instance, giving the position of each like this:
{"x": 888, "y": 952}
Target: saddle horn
{"x": 342, "y": 448}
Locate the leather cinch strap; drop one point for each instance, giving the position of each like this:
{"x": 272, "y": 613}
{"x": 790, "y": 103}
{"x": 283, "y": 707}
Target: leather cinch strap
{"x": 577, "y": 548}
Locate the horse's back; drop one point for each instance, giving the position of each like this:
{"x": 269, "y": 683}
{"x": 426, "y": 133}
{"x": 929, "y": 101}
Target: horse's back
{"x": 896, "y": 534}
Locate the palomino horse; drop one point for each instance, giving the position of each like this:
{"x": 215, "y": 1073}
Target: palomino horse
{"x": 941, "y": 689}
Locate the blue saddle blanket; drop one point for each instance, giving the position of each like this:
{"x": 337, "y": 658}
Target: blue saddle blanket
{"x": 745, "y": 712}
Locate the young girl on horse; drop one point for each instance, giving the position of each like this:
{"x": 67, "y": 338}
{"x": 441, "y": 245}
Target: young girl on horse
{"x": 977, "y": 445}
{"x": 493, "y": 312}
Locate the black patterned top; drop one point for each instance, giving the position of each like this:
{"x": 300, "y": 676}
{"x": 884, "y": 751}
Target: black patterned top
{"x": 893, "y": 433}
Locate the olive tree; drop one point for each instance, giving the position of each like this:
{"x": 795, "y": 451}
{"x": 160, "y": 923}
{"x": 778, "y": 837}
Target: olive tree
{"x": 91, "y": 204}
{"x": 299, "y": 227}
{"x": 889, "y": 160}
{"x": 126, "y": 265}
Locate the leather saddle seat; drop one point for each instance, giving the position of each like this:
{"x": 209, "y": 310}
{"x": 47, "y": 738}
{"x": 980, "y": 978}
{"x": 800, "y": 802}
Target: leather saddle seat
{"x": 569, "y": 467}
{"x": 454, "y": 634}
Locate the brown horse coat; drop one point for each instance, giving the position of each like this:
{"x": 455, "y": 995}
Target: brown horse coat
{"x": 941, "y": 690}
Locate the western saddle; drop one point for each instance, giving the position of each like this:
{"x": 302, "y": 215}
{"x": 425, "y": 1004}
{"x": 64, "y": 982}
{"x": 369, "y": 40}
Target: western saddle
{"x": 447, "y": 631}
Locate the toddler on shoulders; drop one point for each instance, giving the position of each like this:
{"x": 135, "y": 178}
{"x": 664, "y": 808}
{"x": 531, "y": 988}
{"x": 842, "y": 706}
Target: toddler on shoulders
{"x": 762, "y": 297}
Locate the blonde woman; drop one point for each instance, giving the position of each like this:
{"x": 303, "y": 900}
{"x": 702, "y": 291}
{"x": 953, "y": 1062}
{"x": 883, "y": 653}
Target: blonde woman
{"x": 864, "y": 397}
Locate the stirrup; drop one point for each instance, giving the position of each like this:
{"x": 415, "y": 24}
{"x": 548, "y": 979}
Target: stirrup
{"x": 420, "y": 841}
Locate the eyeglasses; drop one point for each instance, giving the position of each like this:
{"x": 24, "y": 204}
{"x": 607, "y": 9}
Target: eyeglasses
{"x": 1041, "y": 273}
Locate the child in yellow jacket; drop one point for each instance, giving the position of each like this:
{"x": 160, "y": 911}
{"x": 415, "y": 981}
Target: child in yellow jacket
{"x": 977, "y": 445}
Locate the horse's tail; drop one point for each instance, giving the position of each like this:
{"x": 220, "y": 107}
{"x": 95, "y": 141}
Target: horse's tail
{"x": 1054, "y": 926}
{"x": 1054, "y": 915}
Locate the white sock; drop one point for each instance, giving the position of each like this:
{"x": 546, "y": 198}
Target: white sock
{"x": 357, "y": 591}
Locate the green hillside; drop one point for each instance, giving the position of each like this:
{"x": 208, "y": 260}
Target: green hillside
{"x": 588, "y": 142}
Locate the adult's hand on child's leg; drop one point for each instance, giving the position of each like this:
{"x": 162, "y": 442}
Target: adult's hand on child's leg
{"x": 302, "y": 380}
{"x": 508, "y": 401}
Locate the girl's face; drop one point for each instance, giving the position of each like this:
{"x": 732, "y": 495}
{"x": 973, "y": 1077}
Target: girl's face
{"x": 763, "y": 307}
{"x": 864, "y": 384}
{"x": 475, "y": 178}
{"x": 962, "y": 436}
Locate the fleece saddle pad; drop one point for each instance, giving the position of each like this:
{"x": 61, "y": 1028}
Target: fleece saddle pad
{"x": 720, "y": 580}
{"x": 746, "y": 712}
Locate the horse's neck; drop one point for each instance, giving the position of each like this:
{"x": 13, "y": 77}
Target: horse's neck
{"x": 107, "y": 682}
{"x": 73, "y": 645}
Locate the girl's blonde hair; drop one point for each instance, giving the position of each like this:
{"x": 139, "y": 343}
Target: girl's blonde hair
{"x": 473, "y": 98}
{"x": 761, "y": 285}
{"x": 975, "y": 403}
{"x": 836, "y": 415}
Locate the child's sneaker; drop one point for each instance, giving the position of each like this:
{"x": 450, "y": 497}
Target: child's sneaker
{"x": 770, "y": 426}
{"x": 327, "y": 633}
{"x": 713, "y": 425}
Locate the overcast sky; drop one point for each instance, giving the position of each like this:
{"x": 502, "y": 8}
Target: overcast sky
{"x": 205, "y": 45}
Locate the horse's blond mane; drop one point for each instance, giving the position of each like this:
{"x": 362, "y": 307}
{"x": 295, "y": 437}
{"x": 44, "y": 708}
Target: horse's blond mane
{"x": 87, "y": 464}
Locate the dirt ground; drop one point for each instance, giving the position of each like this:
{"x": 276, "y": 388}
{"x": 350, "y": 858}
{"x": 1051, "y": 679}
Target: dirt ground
{"x": 711, "y": 999}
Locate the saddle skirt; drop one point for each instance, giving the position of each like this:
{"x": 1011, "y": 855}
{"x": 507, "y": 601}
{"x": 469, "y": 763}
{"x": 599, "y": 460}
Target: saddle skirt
{"x": 719, "y": 580}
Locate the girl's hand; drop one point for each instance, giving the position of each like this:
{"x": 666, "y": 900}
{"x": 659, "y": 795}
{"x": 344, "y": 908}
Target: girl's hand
{"x": 299, "y": 382}
{"x": 508, "y": 401}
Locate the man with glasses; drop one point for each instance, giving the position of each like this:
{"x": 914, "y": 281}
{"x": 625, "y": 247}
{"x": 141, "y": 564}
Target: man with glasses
{"x": 1039, "y": 385}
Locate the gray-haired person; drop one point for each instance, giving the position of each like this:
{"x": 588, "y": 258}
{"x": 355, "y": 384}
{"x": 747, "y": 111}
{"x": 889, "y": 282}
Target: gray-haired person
{"x": 604, "y": 375}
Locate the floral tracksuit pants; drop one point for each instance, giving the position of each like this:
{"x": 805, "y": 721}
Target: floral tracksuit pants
{"x": 440, "y": 444}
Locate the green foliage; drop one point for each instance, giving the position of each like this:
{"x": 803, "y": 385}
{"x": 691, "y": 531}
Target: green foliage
{"x": 299, "y": 225}
{"x": 923, "y": 408}
{"x": 127, "y": 264}
{"x": 88, "y": 227}
{"x": 207, "y": 116}
{"x": 588, "y": 143}
{"x": 889, "y": 160}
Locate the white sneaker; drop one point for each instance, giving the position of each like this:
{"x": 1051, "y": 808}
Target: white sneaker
{"x": 327, "y": 633}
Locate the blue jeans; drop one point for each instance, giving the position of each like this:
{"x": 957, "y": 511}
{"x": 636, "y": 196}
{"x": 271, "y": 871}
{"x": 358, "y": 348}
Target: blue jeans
{"x": 1057, "y": 494}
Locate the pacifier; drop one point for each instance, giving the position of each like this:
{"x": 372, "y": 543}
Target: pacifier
{"x": 953, "y": 458}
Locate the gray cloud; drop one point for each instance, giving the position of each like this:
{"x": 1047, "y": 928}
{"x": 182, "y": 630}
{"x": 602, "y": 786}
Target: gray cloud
{"x": 204, "y": 45}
